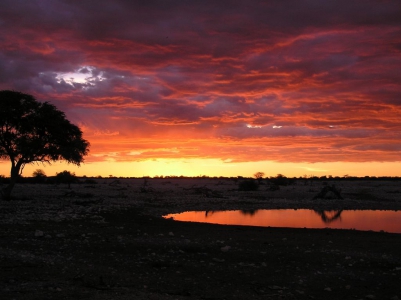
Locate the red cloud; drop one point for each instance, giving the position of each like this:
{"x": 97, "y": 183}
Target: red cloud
{"x": 317, "y": 81}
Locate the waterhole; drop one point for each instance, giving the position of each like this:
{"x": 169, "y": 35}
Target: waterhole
{"x": 374, "y": 220}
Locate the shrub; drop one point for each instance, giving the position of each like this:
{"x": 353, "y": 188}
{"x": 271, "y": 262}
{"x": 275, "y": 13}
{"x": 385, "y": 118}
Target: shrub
{"x": 90, "y": 181}
{"x": 66, "y": 177}
{"x": 280, "y": 180}
{"x": 39, "y": 176}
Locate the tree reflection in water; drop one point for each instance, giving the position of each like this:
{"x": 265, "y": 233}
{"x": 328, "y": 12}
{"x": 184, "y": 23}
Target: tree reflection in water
{"x": 329, "y": 216}
{"x": 209, "y": 213}
{"x": 250, "y": 212}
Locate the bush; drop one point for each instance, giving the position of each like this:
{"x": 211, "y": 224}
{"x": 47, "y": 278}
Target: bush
{"x": 90, "y": 181}
{"x": 280, "y": 180}
{"x": 248, "y": 185}
{"x": 39, "y": 176}
{"x": 66, "y": 177}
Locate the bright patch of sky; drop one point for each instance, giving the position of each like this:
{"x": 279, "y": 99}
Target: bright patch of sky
{"x": 83, "y": 75}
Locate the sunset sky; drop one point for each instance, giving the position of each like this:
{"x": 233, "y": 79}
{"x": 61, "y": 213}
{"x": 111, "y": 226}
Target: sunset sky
{"x": 214, "y": 87}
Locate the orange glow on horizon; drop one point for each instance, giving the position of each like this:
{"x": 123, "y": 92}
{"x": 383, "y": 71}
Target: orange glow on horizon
{"x": 211, "y": 167}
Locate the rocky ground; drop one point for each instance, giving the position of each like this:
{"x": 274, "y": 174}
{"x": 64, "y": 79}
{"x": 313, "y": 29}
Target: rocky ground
{"x": 108, "y": 241}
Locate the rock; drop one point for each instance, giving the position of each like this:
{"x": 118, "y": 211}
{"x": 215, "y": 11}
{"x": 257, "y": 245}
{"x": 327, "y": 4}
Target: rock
{"x": 39, "y": 233}
{"x": 218, "y": 260}
{"x": 171, "y": 234}
{"x": 225, "y": 248}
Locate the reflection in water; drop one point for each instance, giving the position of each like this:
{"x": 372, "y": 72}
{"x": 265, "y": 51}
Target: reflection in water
{"x": 245, "y": 212}
{"x": 208, "y": 213}
{"x": 389, "y": 221}
{"x": 329, "y": 216}
{"x": 249, "y": 212}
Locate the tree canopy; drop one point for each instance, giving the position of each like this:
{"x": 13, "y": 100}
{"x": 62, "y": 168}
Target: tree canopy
{"x": 32, "y": 131}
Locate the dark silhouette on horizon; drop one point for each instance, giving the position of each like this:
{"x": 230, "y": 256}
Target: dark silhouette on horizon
{"x": 32, "y": 131}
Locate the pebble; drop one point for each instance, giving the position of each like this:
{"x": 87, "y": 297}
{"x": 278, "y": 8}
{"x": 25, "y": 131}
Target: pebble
{"x": 39, "y": 233}
{"x": 218, "y": 260}
{"x": 225, "y": 248}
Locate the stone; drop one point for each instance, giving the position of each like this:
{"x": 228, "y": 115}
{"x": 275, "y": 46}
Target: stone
{"x": 39, "y": 233}
{"x": 225, "y": 248}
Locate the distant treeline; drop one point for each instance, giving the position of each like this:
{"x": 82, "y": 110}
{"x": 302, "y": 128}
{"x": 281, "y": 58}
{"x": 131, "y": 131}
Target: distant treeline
{"x": 48, "y": 180}
{"x": 279, "y": 179}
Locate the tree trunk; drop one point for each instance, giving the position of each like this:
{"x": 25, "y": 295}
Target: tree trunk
{"x": 6, "y": 192}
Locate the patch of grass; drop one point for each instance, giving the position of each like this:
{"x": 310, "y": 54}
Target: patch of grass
{"x": 363, "y": 194}
{"x": 248, "y": 185}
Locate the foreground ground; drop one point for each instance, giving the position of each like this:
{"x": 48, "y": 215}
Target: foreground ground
{"x": 108, "y": 241}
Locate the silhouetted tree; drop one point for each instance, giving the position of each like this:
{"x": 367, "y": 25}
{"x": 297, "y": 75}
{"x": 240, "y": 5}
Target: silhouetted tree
{"x": 259, "y": 176}
{"x": 31, "y": 131}
{"x": 66, "y": 177}
{"x": 280, "y": 179}
{"x": 39, "y": 175}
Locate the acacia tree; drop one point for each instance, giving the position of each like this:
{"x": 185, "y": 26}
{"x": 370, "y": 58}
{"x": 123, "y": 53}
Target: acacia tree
{"x": 39, "y": 175}
{"x": 259, "y": 176}
{"x": 32, "y": 131}
{"x": 66, "y": 177}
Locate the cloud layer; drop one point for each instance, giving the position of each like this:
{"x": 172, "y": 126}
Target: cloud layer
{"x": 290, "y": 81}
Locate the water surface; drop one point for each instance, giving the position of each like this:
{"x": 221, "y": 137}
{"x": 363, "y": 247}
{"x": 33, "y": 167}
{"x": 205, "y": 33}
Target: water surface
{"x": 376, "y": 220}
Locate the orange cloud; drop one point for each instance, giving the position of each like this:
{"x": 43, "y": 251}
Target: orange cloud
{"x": 306, "y": 82}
